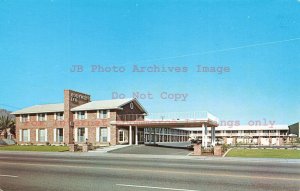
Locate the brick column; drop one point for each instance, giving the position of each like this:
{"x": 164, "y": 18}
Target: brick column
{"x": 218, "y": 151}
{"x": 197, "y": 149}
{"x": 72, "y": 99}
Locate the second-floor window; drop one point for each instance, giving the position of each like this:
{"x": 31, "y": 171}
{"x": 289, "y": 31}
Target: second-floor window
{"x": 41, "y": 117}
{"x": 59, "y": 116}
{"x": 103, "y": 114}
{"x": 24, "y": 118}
{"x": 81, "y": 115}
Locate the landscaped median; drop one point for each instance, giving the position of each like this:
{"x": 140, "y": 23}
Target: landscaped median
{"x": 34, "y": 148}
{"x": 264, "y": 153}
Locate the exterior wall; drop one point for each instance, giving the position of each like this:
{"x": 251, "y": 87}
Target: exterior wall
{"x": 69, "y": 124}
{"x": 50, "y": 124}
{"x": 128, "y": 114}
{"x": 92, "y": 122}
{"x": 260, "y": 137}
{"x": 33, "y": 124}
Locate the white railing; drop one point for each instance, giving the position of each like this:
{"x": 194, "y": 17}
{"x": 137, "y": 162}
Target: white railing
{"x": 197, "y": 115}
{"x": 170, "y": 116}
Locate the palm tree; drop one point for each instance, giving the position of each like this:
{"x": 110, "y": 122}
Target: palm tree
{"x": 6, "y": 123}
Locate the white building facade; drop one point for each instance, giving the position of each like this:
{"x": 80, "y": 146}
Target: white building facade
{"x": 232, "y": 135}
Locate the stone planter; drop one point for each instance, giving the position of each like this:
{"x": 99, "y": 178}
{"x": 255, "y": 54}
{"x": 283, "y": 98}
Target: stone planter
{"x": 85, "y": 148}
{"x": 73, "y": 147}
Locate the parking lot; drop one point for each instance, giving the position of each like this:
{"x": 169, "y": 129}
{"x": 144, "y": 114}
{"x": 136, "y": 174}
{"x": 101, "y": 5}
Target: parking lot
{"x": 151, "y": 150}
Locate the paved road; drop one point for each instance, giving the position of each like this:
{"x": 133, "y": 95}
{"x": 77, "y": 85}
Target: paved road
{"x": 129, "y": 173}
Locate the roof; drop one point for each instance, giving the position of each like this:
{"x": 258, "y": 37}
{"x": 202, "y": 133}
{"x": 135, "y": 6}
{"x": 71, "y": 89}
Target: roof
{"x": 107, "y": 104}
{"x": 46, "y": 108}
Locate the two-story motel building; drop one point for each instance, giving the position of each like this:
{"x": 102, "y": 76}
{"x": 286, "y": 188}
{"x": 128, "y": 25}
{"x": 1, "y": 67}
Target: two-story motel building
{"x": 76, "y": 120}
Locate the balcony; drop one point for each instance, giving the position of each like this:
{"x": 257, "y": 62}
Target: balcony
{"x": 191, "y": 119}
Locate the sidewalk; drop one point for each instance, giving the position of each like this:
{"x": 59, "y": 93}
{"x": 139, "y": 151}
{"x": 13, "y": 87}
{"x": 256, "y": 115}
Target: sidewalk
{"x": 110, "y": 148}
{"x": 147, "y": 156}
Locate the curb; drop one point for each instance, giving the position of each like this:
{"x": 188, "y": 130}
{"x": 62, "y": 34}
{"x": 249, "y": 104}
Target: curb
{"x": 226, "y": 152}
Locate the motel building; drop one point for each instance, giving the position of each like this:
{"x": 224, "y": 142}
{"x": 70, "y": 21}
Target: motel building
{"x": 102, "y": 123}
{"x": 124, "y": 121}
{"x": 274, "y": 135}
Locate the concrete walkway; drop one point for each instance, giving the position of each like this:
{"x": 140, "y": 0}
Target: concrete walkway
{"x": 110, "y": 148}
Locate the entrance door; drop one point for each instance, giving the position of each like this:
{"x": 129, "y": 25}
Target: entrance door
{"x": 123, "y": 136}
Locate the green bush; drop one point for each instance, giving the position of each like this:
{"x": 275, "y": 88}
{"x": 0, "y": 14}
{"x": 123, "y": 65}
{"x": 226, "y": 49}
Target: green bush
{"x": 225, "y": 147}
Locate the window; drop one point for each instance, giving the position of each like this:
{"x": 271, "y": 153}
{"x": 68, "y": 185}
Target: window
{"x": 81, "y": 115}
{"x": 24, "y": 118}
{"x": 103, "y": 114}
{"x": 42, "y": 135}
{"x": 59, "y": 116}
{"x": 41, "y": 117}
{"x": 25, "y": 135}
{"x": 103, "y": 134}
{"x": 60, "y": 135}
{"x": 283, "y": 132}
{"x": 81, "y": 134}
{"x": 265, "y": 131}
{"x": 131, "y": 105}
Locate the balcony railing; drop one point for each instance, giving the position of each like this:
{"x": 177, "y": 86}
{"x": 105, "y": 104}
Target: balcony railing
{"x": 171, "y": 116}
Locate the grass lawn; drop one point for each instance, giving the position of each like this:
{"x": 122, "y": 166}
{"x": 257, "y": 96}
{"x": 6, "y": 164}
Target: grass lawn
{"x": 264, "y": 153}
{"x": 34, "y": 148}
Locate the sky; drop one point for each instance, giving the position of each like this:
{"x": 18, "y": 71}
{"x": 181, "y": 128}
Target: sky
{"x": 256, "y": 45}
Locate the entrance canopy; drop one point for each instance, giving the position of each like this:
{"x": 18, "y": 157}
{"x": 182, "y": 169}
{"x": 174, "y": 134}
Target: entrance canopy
{"x": 170, "y": 120}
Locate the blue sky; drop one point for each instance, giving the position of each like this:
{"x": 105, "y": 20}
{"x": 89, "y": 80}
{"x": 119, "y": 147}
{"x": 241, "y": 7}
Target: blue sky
{"x": 40, "y": 41}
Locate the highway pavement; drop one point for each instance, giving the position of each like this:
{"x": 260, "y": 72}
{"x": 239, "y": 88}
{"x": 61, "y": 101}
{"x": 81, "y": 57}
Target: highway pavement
{"x": 108, "y": 172}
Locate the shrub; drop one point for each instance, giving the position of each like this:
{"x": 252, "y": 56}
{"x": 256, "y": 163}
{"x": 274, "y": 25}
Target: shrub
{"x": 225, "y": 147}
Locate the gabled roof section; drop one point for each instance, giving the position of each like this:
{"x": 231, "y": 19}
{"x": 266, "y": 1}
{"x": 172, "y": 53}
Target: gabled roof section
{"x": 46, "y": 108}
{"x": 107, "y": 104}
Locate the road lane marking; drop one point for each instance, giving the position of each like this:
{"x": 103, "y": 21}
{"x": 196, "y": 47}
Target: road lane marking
{"x": 153, "y": 187}
{"x": 158, "y": 171}
{"x": 6, "y": 175}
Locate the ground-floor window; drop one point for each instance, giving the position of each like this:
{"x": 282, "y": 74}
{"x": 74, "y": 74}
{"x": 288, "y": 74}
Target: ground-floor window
{"x": 103, "y": 134}
{"x": 81, "y": 134}
{"x": 42, "y": 135}
{"x": 60, "y": 135}
{"x": 25, "y": 135}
